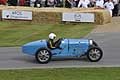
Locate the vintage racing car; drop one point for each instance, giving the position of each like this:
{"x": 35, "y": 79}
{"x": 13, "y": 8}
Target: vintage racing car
{"x": 67, "y": 48}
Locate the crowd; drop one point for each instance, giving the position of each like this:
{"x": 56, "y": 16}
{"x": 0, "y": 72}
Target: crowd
{"x": 113, "y": 6}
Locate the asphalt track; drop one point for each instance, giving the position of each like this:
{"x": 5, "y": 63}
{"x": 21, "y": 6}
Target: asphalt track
{"x": 13, "y": 58}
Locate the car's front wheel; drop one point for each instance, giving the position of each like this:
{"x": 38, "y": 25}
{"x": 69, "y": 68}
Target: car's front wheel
{"x": 43, "y": 56}
{"x": 94, "y": 54}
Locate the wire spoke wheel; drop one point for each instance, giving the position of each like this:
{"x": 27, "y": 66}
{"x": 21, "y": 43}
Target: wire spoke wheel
{"x": 94, "y": 54}
{"x": 43, "y": 56}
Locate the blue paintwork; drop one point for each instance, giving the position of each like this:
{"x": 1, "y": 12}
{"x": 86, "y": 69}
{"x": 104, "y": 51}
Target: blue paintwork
{"x": 70, "y": 47}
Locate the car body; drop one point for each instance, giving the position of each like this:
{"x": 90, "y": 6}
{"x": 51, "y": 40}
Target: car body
{"x": 68, "y": 48}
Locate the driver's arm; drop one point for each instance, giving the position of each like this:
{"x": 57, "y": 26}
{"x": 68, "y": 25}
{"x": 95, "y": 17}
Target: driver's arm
{"x": 51, "y": 44}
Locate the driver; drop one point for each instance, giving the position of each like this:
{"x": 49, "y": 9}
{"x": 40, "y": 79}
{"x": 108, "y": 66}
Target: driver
{"x": 52, "y": 43}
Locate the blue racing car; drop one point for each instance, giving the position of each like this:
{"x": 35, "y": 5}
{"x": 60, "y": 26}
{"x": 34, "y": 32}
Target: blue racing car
{"x": 66, "y": 48}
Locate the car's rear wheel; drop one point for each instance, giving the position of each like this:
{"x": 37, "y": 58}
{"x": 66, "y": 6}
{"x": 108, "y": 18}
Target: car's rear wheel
{"x": 43, "y": 56}
{"x": 94, "y": 54}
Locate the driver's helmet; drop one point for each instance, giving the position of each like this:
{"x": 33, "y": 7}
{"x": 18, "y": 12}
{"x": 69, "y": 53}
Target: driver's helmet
{"x": 52, "y": 36}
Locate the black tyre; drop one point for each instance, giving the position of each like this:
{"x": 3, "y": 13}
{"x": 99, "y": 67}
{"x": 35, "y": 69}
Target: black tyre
{"x": 94, "y": 54}
{"x": 43, "y": 56}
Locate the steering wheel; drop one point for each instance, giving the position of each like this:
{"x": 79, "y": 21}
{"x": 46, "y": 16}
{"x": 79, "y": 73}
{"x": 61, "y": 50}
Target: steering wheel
{"x": 58, "y": 42}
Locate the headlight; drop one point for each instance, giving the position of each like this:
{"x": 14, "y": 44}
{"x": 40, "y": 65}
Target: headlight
{"x": 91, "y": 42}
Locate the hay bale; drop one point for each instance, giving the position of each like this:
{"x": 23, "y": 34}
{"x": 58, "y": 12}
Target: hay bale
{"x": 54, "y": 15}
{"x": 46, "y": 17}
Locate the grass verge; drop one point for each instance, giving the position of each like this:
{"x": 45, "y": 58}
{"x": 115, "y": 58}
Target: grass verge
{"x": 17, "y": 34}
{"x": 62, "y": 74}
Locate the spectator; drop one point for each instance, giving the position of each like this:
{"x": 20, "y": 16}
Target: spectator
{"x": 92, "y": 3}
{"x": 40, "y": 3}
{"x": 59, "y": 3}
{"x": 83, "y": 3}
{"x": 3, "y": 2}
{"x": 109, "y": 6}
{"x": 27, "y": 2}
{"x": 43, "y": 3}
{"x": 12, "y": 2}
{"x": 115, "y": 10}
{"x": 115, "y": 2}
{"x": 21, "y": 2}
{"x": 118, "y": 8}
{"x": 69, "y": 3}
{"x": 105, "y": 1}
{"x": 32, "y": 3}
{"x": 51, "y": 3}
{"x": 99, "y": 3}
{"x": 76, "y": 3}
{"x": 37, "y": 3}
